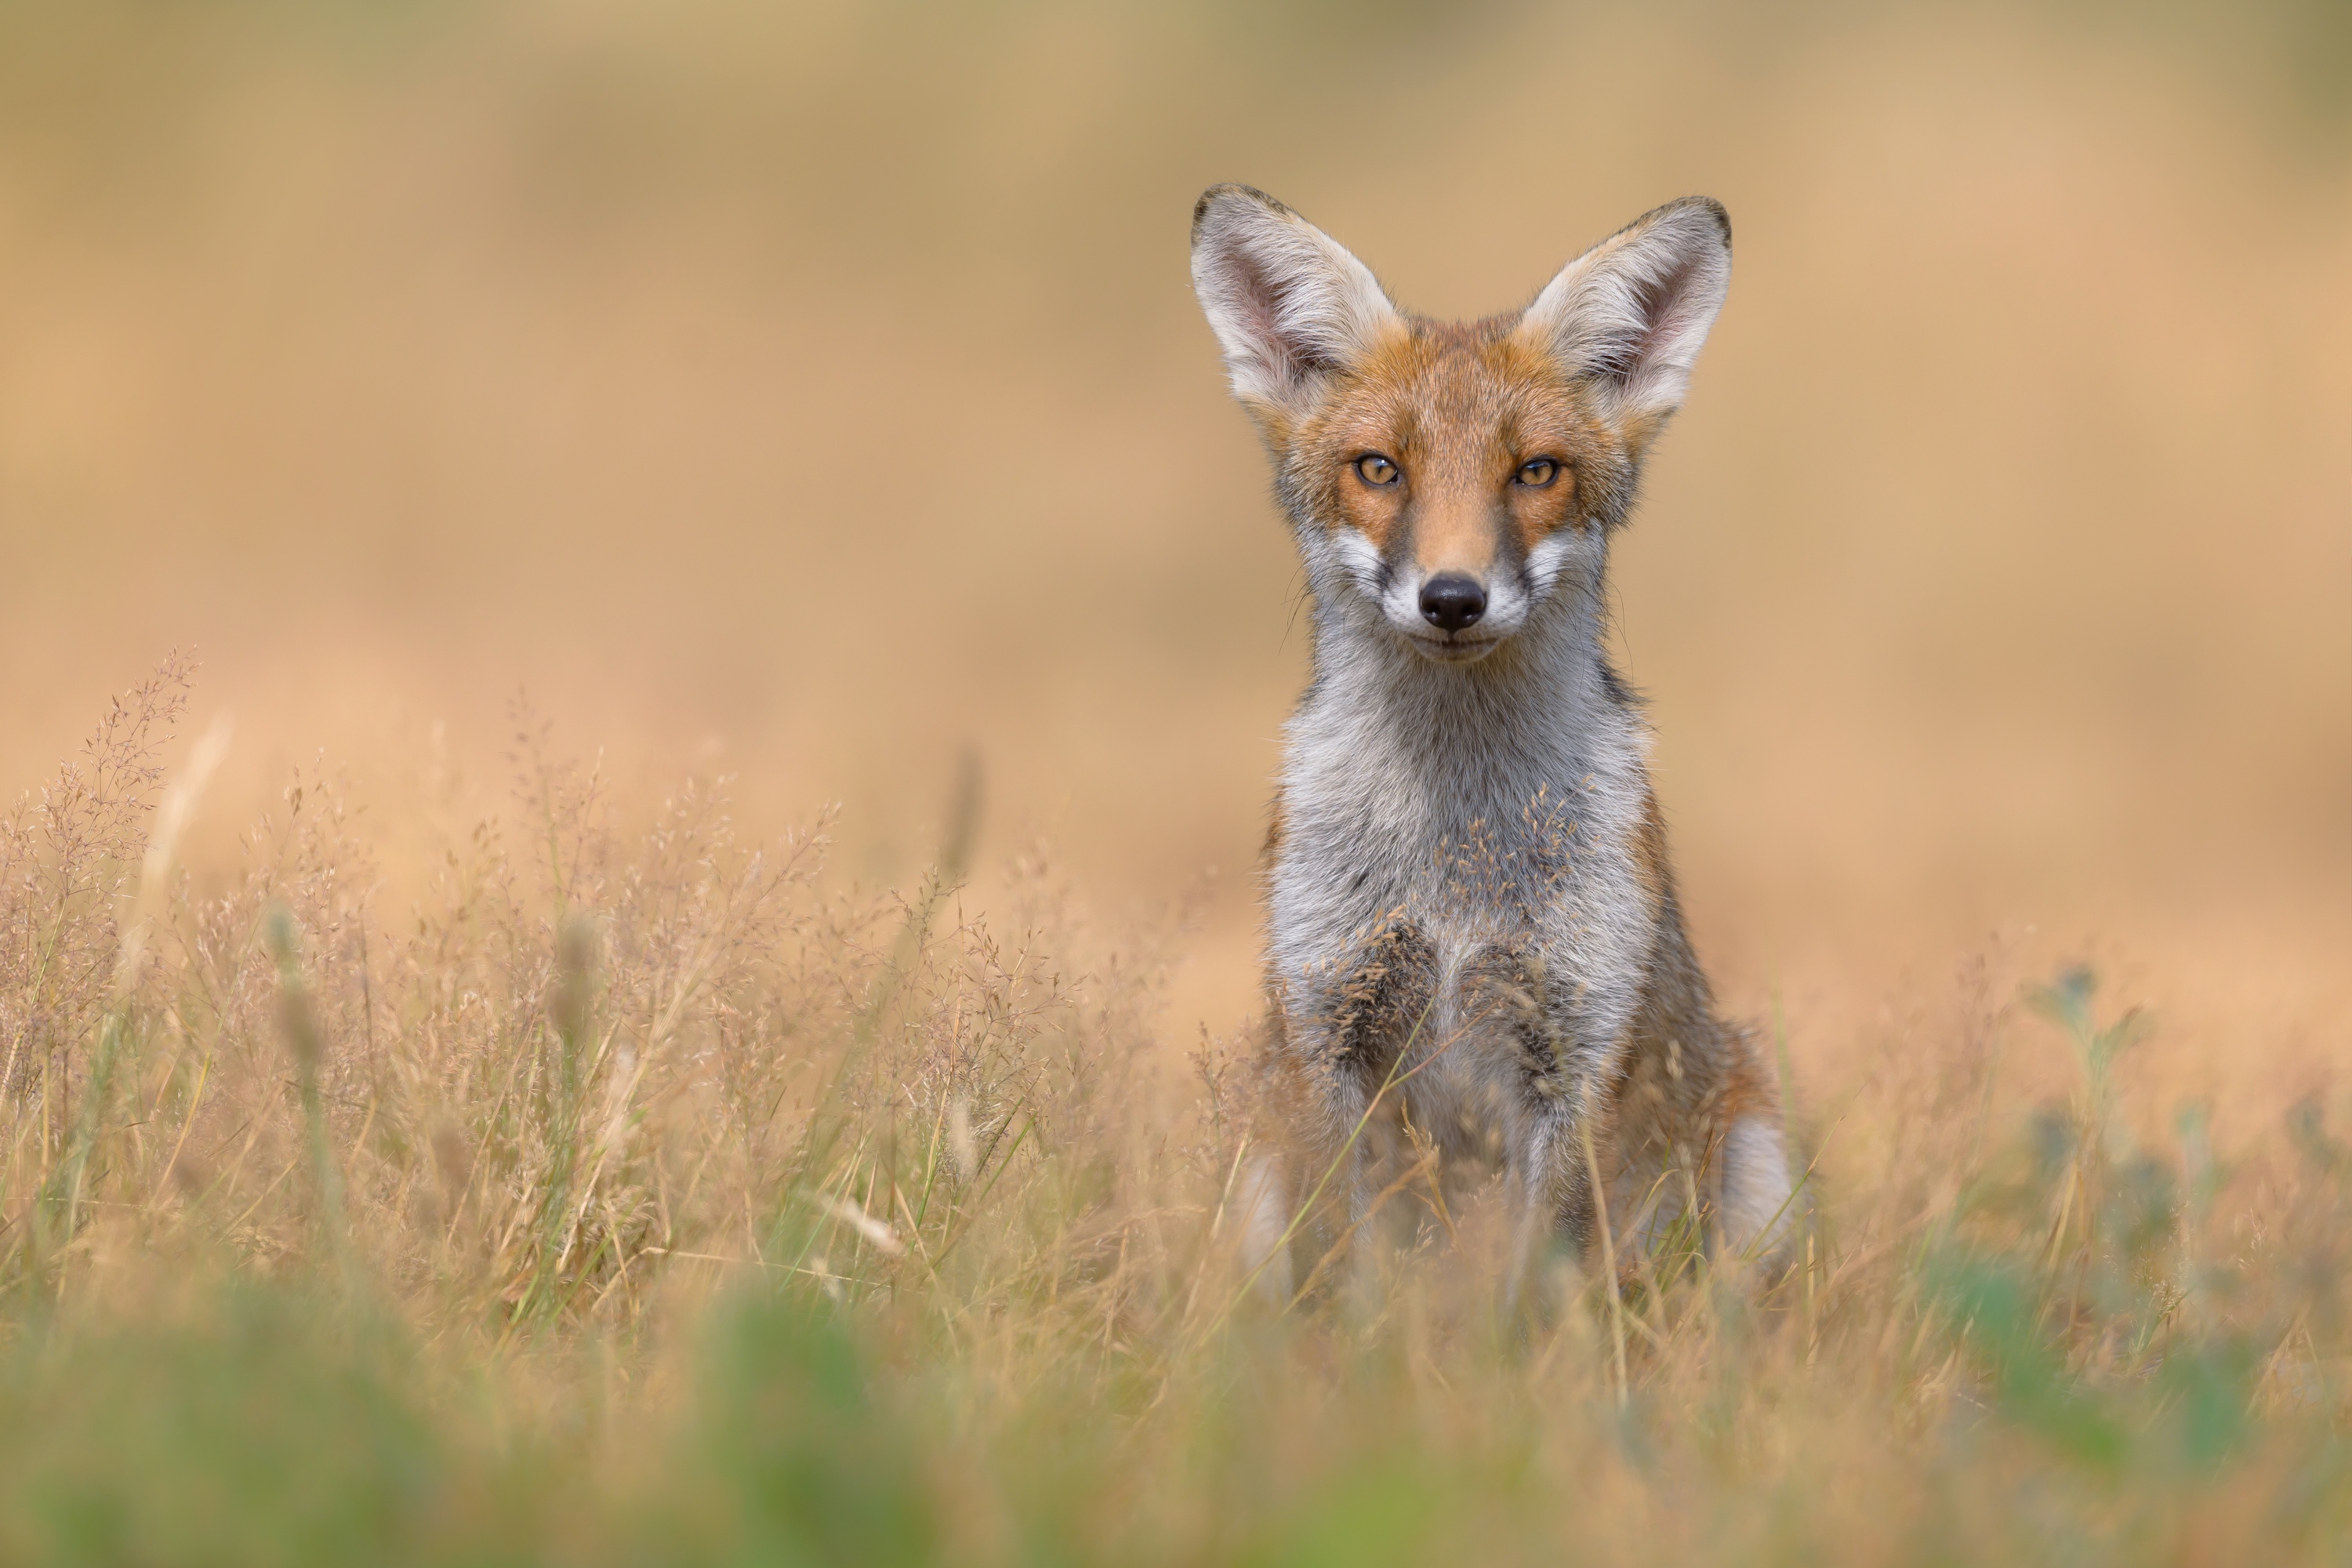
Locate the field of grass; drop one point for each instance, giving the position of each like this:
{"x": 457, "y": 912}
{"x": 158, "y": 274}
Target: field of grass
{"x": 442, "y": 1126}
{"x": 643, "y": 1197}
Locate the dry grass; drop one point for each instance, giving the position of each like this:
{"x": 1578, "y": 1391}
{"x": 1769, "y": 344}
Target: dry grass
{"x": 921, "y": 1198}
{"x": 419, "y": 1147}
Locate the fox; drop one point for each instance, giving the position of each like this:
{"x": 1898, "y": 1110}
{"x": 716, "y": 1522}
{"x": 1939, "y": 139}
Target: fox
{"x": 1474, "y": 949}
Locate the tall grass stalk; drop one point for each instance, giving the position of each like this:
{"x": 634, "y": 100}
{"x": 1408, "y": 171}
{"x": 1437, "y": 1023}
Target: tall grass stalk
{"x": 306, "y": 1047}
{"x": 710, "y": 1208}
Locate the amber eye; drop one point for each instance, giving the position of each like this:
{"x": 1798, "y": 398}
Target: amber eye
{"x": 1538, "y": 472}
{"x": 1375, "y": 469}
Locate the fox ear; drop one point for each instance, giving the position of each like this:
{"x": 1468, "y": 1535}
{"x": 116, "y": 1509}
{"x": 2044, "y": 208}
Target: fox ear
{"x": 1287, "y": 302}
{"x": 1630, "y": 312}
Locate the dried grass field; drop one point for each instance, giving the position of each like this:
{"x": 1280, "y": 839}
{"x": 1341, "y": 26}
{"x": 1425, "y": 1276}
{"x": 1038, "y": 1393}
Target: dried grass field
{"x": 642, "y": 662}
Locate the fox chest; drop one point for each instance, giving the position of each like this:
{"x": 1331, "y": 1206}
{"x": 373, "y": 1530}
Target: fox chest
{"x": 1394, "y": 911}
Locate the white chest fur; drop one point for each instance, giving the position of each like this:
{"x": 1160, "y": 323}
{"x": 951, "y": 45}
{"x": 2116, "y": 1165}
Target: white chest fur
{"x": 1495, "y": 803}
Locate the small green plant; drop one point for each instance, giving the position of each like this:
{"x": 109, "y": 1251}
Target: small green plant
{"x": 647, "y": 1196}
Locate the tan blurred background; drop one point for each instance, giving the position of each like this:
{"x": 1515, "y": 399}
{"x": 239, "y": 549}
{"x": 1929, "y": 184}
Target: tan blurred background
{"x": 811, "y": 390}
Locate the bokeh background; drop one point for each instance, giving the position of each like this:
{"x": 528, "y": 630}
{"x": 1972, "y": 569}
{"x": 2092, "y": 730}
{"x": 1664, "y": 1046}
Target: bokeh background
{"x": 813, "y": 392}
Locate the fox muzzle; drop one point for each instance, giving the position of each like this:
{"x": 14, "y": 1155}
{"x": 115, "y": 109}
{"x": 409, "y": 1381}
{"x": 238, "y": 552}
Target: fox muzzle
{"x": 1453, "y": 601}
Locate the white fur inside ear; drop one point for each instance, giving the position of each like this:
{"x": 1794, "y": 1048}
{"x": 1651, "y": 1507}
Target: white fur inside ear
{"x": 1632, "y": 312}
{"x": 1287, "y": 302}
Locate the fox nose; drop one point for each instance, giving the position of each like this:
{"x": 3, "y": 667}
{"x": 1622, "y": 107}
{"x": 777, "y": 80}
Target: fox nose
{"x": 1451, "y": 601}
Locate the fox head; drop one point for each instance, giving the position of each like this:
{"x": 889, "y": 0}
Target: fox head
{"x": 1449, "y": 480}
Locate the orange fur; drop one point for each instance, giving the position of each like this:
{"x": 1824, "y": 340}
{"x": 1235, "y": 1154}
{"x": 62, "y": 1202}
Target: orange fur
{"x": 1459, "y": 406}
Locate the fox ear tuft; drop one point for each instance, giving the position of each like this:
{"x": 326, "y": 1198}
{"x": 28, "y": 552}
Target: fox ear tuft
{"x": 1632, "y": 312}
{"x": 1287, "y": 302}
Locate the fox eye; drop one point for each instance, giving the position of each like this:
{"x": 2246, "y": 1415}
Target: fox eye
{"x": 1375, "y": 469}
{"x": 1538, "y": 472}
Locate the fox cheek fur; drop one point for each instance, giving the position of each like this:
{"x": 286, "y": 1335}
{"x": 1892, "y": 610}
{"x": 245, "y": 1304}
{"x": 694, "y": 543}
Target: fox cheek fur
{"x": 1468, "y": 895}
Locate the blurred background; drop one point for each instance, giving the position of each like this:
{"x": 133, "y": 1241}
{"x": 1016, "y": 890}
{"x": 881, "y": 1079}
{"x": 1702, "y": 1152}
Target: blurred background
{"x": 812, "y": 391}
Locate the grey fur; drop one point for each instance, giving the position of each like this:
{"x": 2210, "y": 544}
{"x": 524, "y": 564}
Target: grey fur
{"x": 1458, "y": 895}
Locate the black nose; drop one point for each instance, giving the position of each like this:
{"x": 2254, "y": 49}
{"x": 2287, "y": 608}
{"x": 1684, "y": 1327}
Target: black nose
{"x": 1451, "y": 601}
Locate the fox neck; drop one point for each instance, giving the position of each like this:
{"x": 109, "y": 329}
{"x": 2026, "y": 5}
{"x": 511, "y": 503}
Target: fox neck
{"x": 1472, "y": 742}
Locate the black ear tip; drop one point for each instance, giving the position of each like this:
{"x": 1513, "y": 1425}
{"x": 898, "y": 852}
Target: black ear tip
{"x": 1685, "y": 217}
{"x": 1715, "y": 210}
{"x": 1232, "y": 190}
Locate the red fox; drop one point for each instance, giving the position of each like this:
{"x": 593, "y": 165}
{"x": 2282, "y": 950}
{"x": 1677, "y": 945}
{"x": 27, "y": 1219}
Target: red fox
{"x": 1473, "y": 938}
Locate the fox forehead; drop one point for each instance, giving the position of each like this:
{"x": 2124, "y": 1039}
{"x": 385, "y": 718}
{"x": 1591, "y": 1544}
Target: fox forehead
{"x": 1459, "y": 406}
{"x": 1441, "y": 395}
